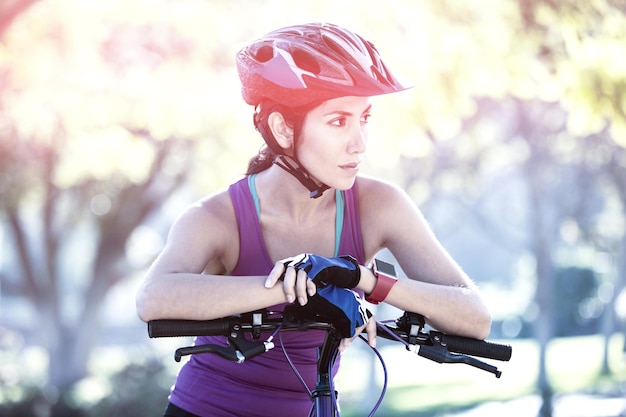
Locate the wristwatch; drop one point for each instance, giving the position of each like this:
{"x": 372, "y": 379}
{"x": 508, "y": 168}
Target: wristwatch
{"x": 385, "y": 274}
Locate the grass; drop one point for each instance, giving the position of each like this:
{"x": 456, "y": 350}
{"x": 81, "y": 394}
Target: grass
{"x": 421, "y": 387}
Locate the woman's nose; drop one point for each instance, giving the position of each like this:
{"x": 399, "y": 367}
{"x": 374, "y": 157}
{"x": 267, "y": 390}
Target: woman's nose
{"x": 358, "y": 142}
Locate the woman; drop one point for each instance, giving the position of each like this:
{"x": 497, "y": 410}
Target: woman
{"x": 232, "y": 251}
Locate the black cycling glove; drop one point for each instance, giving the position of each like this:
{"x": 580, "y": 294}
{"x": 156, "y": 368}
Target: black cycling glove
{"x": 340, "y": 306}
{"x": 342, "y": 272}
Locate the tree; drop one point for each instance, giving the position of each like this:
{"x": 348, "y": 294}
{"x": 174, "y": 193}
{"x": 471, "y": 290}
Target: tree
{"x": 552, "y": 68}
{"x": 96, "y": 135}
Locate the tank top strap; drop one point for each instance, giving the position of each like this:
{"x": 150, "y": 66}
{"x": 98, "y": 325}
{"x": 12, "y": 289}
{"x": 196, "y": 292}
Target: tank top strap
{"x": 253, "y": 256}
{"x": 351, "y": 242}
{"x": 339, "y": 216}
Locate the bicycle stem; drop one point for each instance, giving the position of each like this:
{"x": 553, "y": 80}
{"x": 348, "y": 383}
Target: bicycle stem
{"x": 324, "y": 395}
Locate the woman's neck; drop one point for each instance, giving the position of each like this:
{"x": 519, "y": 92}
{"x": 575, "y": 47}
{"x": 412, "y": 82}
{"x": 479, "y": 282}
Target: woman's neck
{"x": 281, "y": 193}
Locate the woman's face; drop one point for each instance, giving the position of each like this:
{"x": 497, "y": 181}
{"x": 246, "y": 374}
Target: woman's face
{"x": 333, "y": 140}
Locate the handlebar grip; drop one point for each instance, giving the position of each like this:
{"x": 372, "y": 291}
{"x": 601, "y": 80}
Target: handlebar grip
{"x": 180, "y": 328}
{"x": 481, "y": 348}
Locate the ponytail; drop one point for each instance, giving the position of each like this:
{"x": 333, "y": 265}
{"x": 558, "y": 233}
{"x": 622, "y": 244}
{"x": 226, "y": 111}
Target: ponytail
{"x": 262, "y": 161}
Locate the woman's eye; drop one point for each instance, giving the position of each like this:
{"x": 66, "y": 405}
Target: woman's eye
{"x": 339, "y": 122}
{"x": 365, "y": 118}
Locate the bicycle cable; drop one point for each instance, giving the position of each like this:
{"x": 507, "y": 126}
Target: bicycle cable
{"x": 385, "y": 376}
{"x": 293, "y": 367}
{"x": 381, "y": 325}
{"x": 331, "y": 364}
{"x": 333, "y": 394}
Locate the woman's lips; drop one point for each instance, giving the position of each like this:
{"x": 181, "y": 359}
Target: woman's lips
{"x": 351, "y": 166}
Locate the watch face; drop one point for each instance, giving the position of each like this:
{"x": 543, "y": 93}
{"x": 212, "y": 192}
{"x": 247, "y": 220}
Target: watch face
{"x": 385, "y": 268}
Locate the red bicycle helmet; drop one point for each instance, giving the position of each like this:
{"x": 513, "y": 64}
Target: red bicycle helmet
{"x": 298, "y": 65}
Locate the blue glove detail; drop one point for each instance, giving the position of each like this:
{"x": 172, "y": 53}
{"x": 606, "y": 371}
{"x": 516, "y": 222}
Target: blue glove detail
{"x": 340, "y": 306}
{"x": 342, "y": 272}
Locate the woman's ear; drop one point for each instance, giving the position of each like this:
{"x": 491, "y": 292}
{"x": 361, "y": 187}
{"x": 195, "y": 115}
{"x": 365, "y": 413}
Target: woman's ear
{"x": 283, "y": 133}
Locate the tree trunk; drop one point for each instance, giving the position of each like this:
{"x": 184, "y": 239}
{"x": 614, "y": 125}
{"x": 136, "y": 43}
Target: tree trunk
{"x": 543, "y": 325}
{"x": 538, "y": 175}
{"x": 620, "y": 284}
{"x": 608, "y": 316}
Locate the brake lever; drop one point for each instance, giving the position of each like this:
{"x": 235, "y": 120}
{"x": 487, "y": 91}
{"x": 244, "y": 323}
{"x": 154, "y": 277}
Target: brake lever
{"x": 246, "y": 349}
{"x": 238, "y": 350}
{"x": 226, "y": 352}
{"x": 440, "y": 354}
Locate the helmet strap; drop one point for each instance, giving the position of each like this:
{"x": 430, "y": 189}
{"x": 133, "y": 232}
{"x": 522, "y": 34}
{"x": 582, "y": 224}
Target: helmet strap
{"x": 303, "y": 176}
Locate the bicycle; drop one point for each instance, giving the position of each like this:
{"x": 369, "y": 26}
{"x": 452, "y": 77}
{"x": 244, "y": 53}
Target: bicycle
{"x": 408, "y": 329}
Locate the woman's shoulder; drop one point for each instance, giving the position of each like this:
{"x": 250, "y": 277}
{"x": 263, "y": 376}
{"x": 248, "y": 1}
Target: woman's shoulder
{"x": 375, "y": 190}
{"x": 215, "y": 210}
{"x": 385, "y": 209}
{"x": 381, "y": 200}
{"x": 207, "y": 230}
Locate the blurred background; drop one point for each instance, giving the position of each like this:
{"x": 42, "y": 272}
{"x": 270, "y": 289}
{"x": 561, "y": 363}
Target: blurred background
{"x": 115, "y": 115}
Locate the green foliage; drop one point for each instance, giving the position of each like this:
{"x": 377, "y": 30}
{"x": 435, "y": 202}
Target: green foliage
{"x": 35, "y": 401}
{"x": 572, "y": 288}
{"x": 140, "y": 389}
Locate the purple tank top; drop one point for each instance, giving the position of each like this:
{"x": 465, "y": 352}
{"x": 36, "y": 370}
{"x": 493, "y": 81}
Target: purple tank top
{"x": 210, "y": 386}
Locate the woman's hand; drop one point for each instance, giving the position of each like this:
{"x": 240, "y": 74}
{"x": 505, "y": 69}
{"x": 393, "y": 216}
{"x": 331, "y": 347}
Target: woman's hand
{"x": 303, "y": 274}
{"x": 369, "y": 327}
{"x": 296, "y": 283}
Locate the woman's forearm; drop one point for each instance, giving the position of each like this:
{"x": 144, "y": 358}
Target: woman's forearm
{"x": 203, "y": 297}
{"x": 450, "y": 309}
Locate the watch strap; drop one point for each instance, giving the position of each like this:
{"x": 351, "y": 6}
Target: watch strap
{"x": 384, "y": 281}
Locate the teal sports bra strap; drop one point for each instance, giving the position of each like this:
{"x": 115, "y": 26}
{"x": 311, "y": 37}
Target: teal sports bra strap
{"x": 255, "y": 195}
{"x": 339, "y": 207}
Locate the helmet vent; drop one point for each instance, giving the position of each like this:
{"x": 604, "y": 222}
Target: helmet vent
{"x": 335, "y": 47}
{"x": 264, "y": 53}
{"x": 304, "y": 60}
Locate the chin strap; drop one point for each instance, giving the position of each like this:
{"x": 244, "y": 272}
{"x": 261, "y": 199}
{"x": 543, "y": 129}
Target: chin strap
{"x": 303, "y": 176}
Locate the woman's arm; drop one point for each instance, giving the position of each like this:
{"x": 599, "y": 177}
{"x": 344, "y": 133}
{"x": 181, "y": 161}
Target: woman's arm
{"x": 186, "y": 281}
{"x": 438, "y": 288}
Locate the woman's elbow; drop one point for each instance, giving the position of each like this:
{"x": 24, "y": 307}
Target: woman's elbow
{"x": 483, "y": 325}
{"x": 145, "y": 306}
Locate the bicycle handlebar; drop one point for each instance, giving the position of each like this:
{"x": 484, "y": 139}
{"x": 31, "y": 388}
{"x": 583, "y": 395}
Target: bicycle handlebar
{"x": 182, "y": 328}
{"x": 408, "y": 329}
{"x": 473, "y": 347}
